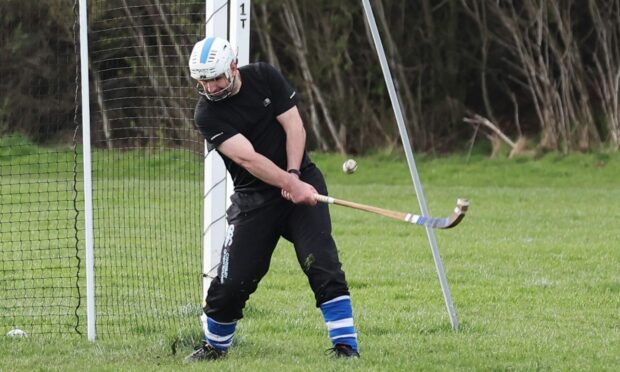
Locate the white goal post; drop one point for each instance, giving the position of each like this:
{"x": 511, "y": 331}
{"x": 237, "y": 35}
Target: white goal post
{"x": 88, "y": 186}
{"x": 228, "y": 19}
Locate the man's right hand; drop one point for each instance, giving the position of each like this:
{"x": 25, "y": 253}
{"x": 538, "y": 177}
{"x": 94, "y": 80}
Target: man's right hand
{"x": 299, "y": 192}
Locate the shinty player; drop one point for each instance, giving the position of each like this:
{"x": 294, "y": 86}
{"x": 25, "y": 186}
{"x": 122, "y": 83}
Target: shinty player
{"x": 249, "y": 116}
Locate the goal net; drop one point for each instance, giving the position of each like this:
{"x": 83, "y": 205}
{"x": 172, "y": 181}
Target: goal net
{"x": 40, "y": 257}
{"x": 147, "y": 179}
{"x": 147, "y": 164}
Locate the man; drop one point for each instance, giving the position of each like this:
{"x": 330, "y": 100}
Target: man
{"x": 249, "y": 115}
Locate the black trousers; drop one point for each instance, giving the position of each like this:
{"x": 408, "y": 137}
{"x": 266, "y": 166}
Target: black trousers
{"x": 251, "y": 239}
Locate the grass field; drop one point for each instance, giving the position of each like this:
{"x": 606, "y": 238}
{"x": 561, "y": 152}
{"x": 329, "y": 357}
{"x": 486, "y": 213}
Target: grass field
{"x": 533, "y": 270}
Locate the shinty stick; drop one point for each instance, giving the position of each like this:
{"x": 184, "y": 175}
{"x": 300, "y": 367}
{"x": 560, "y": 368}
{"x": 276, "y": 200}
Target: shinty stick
{"x": 438, "y": 223}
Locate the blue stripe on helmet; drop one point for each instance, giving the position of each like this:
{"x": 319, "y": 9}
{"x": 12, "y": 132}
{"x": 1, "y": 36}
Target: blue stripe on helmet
{"x": 205, "y": 49}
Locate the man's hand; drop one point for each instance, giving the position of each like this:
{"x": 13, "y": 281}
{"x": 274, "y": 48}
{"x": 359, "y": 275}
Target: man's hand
{"x": 241, "y": 151}
{"x": 299, "y": 192}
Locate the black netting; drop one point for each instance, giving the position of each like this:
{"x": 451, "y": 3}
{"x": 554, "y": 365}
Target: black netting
{"x": 147, "y": 168}
{"x": 39, "y": 263}
{"x": 40, "y": 256}
{"x": 147, "y": 164}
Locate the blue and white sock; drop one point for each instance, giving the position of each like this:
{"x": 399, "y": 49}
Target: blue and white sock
{"x": 338, "y": 315}
{"x": 218, "y": 334}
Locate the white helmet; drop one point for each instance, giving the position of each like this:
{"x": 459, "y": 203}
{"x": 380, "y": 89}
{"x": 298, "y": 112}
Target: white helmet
{"x": 210, "y": 58}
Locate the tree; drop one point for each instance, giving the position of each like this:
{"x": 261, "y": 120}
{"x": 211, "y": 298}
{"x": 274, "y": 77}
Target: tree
{"x": 37, "y": 68}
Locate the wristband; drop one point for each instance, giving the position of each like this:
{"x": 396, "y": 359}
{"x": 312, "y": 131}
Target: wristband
{"x": 295, "y": 171}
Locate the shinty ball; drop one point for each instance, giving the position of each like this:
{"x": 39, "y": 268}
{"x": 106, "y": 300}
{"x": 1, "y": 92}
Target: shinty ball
{"x": 16, "y": 332}
{"x": 349, "y": 166}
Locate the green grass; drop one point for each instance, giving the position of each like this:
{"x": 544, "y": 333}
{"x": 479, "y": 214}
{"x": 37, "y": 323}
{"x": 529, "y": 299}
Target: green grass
{"x": 533, "y": 270}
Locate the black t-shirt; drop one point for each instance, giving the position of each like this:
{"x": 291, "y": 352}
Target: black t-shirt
{"x": 252, "y": 112}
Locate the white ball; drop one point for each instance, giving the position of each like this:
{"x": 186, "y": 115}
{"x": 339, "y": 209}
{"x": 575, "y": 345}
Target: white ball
{"x": 17, "y": 333}
{"x": 349, "y": 166}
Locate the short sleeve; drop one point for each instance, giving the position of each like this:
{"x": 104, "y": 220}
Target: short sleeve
{"x": 284, "y": 96}
{"x": 213, "y": 129}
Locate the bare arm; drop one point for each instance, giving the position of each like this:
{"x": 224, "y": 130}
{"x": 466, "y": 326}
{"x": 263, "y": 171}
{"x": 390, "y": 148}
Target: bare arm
{"x": 295, "y": 136}
{"x": 241, "y": 151}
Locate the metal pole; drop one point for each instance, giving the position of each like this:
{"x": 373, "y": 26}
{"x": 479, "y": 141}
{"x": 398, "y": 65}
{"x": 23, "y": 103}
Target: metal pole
{"x": 88, "y": 185}
{"x": 409, "y": 154}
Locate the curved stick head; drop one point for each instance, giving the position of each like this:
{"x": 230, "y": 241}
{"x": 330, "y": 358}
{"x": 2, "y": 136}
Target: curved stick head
{"x": 461, "y": 206}
{"x": 459, "y": 213}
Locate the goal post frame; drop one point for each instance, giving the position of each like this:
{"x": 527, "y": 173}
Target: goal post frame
{"x": 88, "y": 185}
{"x": 228, "y": 19}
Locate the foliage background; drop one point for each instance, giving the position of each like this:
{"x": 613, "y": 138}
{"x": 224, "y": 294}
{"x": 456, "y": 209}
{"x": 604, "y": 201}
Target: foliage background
{"x": 543, "y": 73}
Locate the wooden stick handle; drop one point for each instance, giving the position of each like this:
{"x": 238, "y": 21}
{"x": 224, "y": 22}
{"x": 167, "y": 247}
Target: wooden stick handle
{"x": 401, "y": 216}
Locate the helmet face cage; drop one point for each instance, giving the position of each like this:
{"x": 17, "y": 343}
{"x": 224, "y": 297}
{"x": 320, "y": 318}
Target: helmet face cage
{"x": 211, "y": 58}
{"x": 219, "y": 95}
